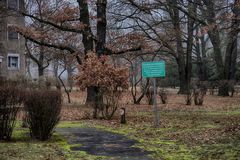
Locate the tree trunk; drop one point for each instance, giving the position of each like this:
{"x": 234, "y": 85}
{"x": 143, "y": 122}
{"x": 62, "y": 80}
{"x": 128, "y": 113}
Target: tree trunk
{"x": 201, "y": 59}
{"x": 100, "y": 49}
{"x": 65, "y": 88}
{"x": 233, "y": 68}
{"x": 190, "y": 27}
{"x": 28, "y": 67}
{"x": 214, "y": 35}
{"x": 180, "y": 58}
{"x": 87, "y": 36}
{"x": 204, "y": 59}
{"x": 215, "y": 39}
{"x": 55, "y": 73}
{"x": 40, "y": 71}
{"x": 223, "y": 89}
{"x": 231, "y": 52}
{"x": 184, "y": 86}
{"x": 145, "y": 88}
{"x": 230, "y": 58}
{"x": 70, "y": 76}
{"x": 90, "y": 96}
{"x": 101, "y": 26}
{"x": 88, "y": 41}
{"x": 96, "y": 101}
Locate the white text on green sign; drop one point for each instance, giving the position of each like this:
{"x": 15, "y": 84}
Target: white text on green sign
{"x": 153, "y": 69}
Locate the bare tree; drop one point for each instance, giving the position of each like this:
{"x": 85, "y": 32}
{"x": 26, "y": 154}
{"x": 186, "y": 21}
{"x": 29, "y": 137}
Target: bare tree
{"x": 226, "y": 66}
{"x": 165, "y": 25}
{"x": 73, "y": 18}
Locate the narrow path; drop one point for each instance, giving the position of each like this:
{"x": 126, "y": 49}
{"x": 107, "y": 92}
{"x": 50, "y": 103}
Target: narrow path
{"x": 103, "y": 143}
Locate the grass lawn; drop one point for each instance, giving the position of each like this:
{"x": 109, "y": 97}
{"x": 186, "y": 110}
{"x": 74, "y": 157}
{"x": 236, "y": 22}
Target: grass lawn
{"x": 185, "y": 133}
{"x": 182, "y": 135}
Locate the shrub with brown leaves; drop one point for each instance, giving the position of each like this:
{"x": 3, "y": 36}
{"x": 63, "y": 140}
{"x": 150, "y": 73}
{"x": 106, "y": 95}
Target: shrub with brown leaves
{"x": 106, "y": 78}
{"x": 11, "y": 98}
{"x": 99, "y": 72}
{"x": 43, "y": 112}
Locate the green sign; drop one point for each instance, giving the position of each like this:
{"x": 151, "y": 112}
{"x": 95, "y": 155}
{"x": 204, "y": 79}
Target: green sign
{"x": 153, "y": 69}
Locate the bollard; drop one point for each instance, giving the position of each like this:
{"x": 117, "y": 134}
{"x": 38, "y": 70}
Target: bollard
{"x": 123, "y": 115}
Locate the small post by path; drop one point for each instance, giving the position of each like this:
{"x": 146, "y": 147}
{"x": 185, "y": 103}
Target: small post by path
{"x": 123, "y": 115}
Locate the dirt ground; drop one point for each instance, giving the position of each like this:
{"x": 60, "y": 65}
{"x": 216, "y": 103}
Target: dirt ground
{"x": 76, "y": 110}
{"x": 211, "y": 131}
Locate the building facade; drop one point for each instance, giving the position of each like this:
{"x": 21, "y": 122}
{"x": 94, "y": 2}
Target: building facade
{"x": 12, "y": 45}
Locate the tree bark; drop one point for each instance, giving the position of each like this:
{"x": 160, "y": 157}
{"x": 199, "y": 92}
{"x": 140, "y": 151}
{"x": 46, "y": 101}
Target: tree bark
{"x": 65, "y": 88}
{"x": 100, "y": 50}
{"x": 184, "y": 62}
{"x": 69, "y": 69}
{"x": 223, "y": 89}
{"x": 90, "y": 96}
{"x": 215, "y": 39}
{"x": 204, "y": 58}
{"x": 87, "y": 36}
{"x": 101, "y": 26}
{"x": 190, "y": 27}
{"x": 231, "y": 51}
{"x": 214, "y": 35}
{"x": 201, "y": 59}
{"x": 40, "y": 71}
{"x": 184, "y": 86}
{"x": 88, "y": 42}
{"x": 55, "y": 72}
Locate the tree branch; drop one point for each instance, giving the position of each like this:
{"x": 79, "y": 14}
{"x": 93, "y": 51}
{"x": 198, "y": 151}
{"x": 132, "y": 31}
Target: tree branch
{"x": 42, "y": 43}
{"x": 60, "y": 27}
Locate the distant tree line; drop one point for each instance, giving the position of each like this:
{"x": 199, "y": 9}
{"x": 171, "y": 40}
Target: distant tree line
{"x": 198, "y": 38}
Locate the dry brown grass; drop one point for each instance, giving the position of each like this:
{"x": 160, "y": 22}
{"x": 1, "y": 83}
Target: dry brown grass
{"x": 210, "y": 131}
{"x": 77, "y": 110}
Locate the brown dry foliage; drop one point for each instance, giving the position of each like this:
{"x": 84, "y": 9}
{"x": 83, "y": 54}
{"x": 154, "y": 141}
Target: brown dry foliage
{"x": 99, "y": 72}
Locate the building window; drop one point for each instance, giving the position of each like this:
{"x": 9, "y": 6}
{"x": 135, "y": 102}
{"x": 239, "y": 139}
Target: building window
{"x": 13, "y": 61}
{"x": 12, "y": 34}
{"x": 13, "y": 4}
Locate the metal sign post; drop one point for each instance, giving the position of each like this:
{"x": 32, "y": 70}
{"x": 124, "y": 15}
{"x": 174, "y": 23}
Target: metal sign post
{"x": 155, "y": 108}
{"x": 154, "y": 70}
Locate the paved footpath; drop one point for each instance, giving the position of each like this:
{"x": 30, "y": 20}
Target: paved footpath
{"x": 103, "y": 143}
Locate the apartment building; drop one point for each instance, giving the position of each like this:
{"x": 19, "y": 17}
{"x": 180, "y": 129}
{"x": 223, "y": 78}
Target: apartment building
{"x": 12, "y": 48}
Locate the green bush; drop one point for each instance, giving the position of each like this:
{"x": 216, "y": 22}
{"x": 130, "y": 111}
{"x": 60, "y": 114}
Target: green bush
{"x": 43, "y": 112}
{"x": 11, "y": 99}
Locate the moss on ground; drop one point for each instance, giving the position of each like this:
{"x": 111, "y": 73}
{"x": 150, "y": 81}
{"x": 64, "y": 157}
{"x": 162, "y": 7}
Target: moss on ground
{"x": 71, "y": 124}
{"x": 184, "y": 135}
{"x": 22, "y": 147}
